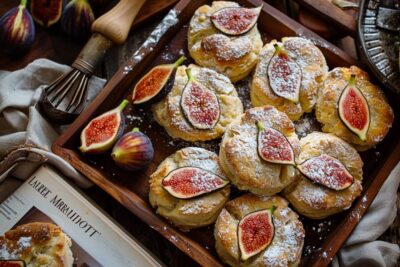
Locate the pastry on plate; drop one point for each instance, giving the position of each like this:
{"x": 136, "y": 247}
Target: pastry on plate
{"x": 258, "y": 150}
{"x": 211, "y": 45}
{"x": 288, "y": 75}
{"x": 37, "y": 244}
{"x": 198, "y": 109}
{"x": 259, "y": 231}
{"x": 353, "y": 108}
{"x": 189, "y": 188}
{"x": 329, "y": 179}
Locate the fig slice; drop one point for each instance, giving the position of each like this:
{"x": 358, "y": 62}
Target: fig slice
{"x": 353, "y": 109}
{"x": 327, "y": 171}
{"x": 103, "y": 131}
{"x": 190, "y": 182}
{"x": 199, "y": 104}
{"x": 273, "y": 146}
{"x": 255, "y": 232}
{"x": 284, "y": 75}
{"x": 158, "y": 79}
{"x": 45, "y": 12}
{"x": 235, "y": 20}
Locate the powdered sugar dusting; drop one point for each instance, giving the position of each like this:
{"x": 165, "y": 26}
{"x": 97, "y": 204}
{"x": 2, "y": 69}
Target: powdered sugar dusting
{"x": 227, "y": 49}
{"x": 14, "y": 252}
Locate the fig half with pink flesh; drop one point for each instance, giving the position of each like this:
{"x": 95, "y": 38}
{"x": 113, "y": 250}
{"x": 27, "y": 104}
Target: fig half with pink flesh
{"x": 284, "y": 75}
{"x": 159, "y": 79}
{"x": 273, "y": 146}
{"x": 190, "y": 182}
{"x": 255, "y": 233}
{"x": 235, "y": 20}
{"x": 199, "y": 104}
{"x": 353, "y": 109}
{"x": 327, "y": 171}
{"x": 46, "y": 12}
{"x": 103, "y": 131}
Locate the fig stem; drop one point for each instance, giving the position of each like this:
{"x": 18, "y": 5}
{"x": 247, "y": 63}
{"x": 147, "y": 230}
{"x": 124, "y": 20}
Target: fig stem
{"x": 123, "y": 104}
{"x": 189, "y": 74}
{"x": 260, "y": 126}
{"x": 179, "y": 61}
{"x": 352, "y": 80}
{"x": 135, "y": 130}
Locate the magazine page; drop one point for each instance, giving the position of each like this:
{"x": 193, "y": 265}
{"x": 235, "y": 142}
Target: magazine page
{"x": 96, "y": 240}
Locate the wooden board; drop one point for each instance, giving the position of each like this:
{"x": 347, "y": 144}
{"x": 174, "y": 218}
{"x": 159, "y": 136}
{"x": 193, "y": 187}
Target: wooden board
{"x": 323, "y": 237}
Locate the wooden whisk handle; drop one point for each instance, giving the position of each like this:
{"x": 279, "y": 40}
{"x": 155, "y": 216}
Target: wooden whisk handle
{"x": 116, "y": 23}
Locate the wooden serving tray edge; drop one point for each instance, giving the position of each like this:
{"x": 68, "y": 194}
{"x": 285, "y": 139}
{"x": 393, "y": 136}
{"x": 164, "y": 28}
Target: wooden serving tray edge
{"x": 143, "y": 209}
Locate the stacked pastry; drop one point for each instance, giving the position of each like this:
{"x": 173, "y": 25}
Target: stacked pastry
{"x": 260, "y": 152}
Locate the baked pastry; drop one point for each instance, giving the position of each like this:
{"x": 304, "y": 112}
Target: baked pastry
{"x": 239, "y": 155}
{"x": 193, "y": 212}
{"x": 234, "y": 56}
{"x": 309, "y": 62}
{"x": 37, "y": 244}
{"x": 287, "y": 243}
{"x": 168, "y": 112}
{"x": 315, "y": 200}
{"x": 380, "y": 113}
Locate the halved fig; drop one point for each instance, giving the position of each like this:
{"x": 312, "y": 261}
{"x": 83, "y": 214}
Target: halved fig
{"x": 284, "y": 75}
{"x": 46, "y": 12}
{"x": 353, "y": 109}
{"x": 103, "y": 131}
{"x": 199, "y": 104}
{"x": 190, "y": 182}
{"x": 273, "y": 146}
{"x": 255, "y": 232}
{"x": 327, "y": 171}
{"x": 235, "y": 20}
{"x": 158, "y": 79}
{"x": 12, "y": 263}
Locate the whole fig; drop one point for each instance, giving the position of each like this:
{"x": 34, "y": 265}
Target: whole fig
{"x": 46, "y": 12}
{"x": 77, "y": 19}
{"x": 17, "y": 30}
{"x": 133, "y": 151}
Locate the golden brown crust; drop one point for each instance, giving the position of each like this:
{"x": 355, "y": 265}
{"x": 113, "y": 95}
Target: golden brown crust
{"x": 286, "y": 246}
{"x": 234, "y": 56}
{"x": 314, "y": 69}
{"x": 326, "y": 108}
{"x": 38, "y": 244}
{"x": 316, "y": 201}
{"x": 239, "y": 157}
{"x": 188, "y": 213}
{"x": 168, "y": 112}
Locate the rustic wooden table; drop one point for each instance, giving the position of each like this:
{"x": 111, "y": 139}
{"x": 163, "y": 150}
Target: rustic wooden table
{"x": 52, "y": 44}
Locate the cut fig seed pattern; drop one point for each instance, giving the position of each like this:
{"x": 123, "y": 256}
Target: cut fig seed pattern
{"x": 255, "y": 232}
{"x": 190, "y": 182}
{"x": 103, "y": 131}
{"x": 158, "y": 79}
{"x": 284, "y": 75}
{"x": 235, "y": 20}
{"x": 199, "y": 104}
{"x": 327, "y": 171}
{"x": 273, "y": 146}
{"x": 353, "y": 109}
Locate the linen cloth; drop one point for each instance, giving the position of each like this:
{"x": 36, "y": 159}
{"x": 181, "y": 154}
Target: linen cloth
{"x": 21, "y": 123}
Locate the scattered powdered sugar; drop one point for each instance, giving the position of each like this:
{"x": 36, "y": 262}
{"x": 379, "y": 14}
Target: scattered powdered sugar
{"x": 306, "y": 125}
{"x": 24, "y": 242}
{"x": 315, "y": 40}
{"x": 313, "y": 196}
{"x": 225, "y": 48}
{"x": 14, "y": 253}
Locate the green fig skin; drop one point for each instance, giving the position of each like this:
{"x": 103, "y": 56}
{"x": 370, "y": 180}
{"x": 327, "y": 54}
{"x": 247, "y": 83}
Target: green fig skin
{"x": 133, "y": 151}
{"x": 77, "y": 18}
{"x": 17, "y": 30}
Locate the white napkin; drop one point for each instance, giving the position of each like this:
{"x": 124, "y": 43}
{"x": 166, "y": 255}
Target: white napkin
{"x": 21, "y": 123}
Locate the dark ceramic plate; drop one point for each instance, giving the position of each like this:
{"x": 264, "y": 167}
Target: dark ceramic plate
{"x": 379, "y": 49}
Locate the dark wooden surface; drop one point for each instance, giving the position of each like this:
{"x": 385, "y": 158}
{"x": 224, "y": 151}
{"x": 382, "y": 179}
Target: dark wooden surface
{"x": 53, "y": 45}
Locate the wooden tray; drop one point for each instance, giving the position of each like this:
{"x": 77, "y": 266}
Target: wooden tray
{"x": 323, "y": 237}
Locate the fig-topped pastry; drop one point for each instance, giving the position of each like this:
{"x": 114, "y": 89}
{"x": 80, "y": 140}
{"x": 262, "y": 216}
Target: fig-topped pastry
{"x": 353, "y": 108}
{"x": 329, "y": 178}
{"x": 225, "y": 38}
{"x": 189, "y": 188}
{"x": 258, "y": 231}
{"x": 199, "y": 106}
{"x": 288, "y": 75}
